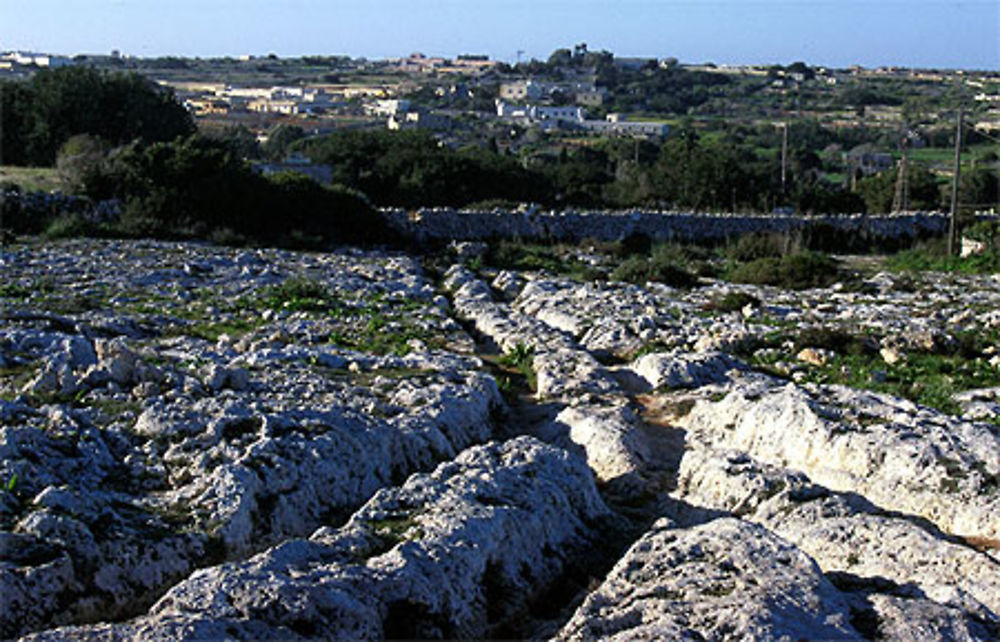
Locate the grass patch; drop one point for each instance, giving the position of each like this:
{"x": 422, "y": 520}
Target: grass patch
{"x": 925, "y": 378}
{"x": 393, "y": 530}
{"x": 380, "y": 335}
{"x": 235, "y": 328}
{"x": 115, "y": 409}
{"x": 932, "y": 256}
{"x": 301, "y": 294}
{"x": 15, "y": 291}
{"x": 31, "y": 179}
{"x": 509, "y": 255}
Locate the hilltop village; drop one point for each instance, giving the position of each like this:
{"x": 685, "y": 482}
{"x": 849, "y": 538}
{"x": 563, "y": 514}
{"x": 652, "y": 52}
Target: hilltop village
{"x": 820, "y": 128}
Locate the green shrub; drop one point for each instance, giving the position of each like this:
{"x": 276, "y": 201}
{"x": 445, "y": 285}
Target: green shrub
{"x": 68, "y": 226}
{"x": 987, "y": 232}
{"x": 228, "y": 237}
{"x": 732, "y": 301}
{"x": 300, "y": 294}
{"x": 932, "y": 256}
{"x": 794, "y": 271}
{"x": 634, "y": 243}
{"x": 750, "y": 247}
{"x": 661, "y": 267}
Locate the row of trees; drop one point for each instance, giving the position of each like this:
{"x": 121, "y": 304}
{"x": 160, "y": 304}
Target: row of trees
{"x": 197, "y": 187}
{"x": 38, "y": 115}
{"x": 687, "y": 171}
{"x": 411, "y": 168}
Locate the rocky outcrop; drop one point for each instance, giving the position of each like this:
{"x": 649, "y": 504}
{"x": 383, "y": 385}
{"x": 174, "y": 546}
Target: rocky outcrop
{"x": 900, "y": 456}
{"x": 726, "y": 579}
{"x": 201, "y": 442}
{"x": 130, "y": 461}
{"x": 450, "y": 554}
{"x": 878, "y": 557}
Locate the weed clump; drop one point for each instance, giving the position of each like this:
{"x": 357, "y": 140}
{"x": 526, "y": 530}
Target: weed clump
{"x": 300, "y": 294}
{"x": 515, "y": 371}
{"x": 750, "y": 247}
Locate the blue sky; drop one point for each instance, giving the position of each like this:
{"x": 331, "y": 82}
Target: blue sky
{"x": 915, "y": 33}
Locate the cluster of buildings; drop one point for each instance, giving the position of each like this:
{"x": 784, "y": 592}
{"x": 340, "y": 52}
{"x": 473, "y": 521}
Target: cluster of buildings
{"x": 464, "y": 64}
{"x": 203, "y": 100}
{"x": 581, "y": 92}
{"x": 573, "y": 118}
{"x": 16, "y": 64}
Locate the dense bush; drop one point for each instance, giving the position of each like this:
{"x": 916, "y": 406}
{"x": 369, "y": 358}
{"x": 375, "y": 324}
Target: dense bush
{"x": 38, "y": 115}
{"x": 793, "y": 271}
{"x": 732, "y": 302}
{"x": 663, "y": 266}
{"x": 835, "y": 339}
{"x": 412, "y": 169}
{"x": 750, "y": 247}
{"x": 196, "y": 187}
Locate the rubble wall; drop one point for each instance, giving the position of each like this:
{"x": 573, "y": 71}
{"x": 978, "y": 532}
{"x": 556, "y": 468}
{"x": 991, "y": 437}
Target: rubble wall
{"x": 430, "y": 224}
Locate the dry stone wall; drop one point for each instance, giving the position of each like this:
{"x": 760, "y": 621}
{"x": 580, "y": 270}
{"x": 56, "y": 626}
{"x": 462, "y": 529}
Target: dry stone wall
{"x": 434, "y": 224}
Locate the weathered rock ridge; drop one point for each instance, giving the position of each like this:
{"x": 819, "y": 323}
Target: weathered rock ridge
{"x": 209, "y": 443}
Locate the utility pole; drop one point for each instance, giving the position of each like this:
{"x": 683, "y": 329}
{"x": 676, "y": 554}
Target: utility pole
{"x": 784, "y": 155}
{"x": 901, "y": 197}
{"x": 952, "y": 231}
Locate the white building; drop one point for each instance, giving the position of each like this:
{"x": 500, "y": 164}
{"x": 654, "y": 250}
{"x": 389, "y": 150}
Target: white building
{"x": 418, "y": 120}
{"x": 521, "y": 90}
{"x": 388, "y": 107}
{"x": 27, "y": 58}
{"x": 539, "y": 112}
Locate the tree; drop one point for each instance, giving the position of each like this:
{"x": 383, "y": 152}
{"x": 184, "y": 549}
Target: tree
{"x": 560, "y": 58}
{"x": 878, "y": 190}
{"x": 239, "y": 139}
{"x": 59, "y": 103}
{"x": 800, "y": 67}
{"x": 280, "y": 139}
{"x": 16, "y": 122}
{"x": 410, "y": 168}
{"x": 980, "y": 188}
{"x": 79, "y": 162}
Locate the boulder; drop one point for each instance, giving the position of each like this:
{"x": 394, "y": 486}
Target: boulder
{"x": 726, "y": 579}
{"x": 684, "y": 370}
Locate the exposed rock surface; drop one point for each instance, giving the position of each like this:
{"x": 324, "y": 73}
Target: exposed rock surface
{"x": 446, "y": 555}
{"x": 209, "y": 443}
{"x": 186, "y": 452}
{"x": 900, "y": 456}
{"x": 726, "y": 579}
